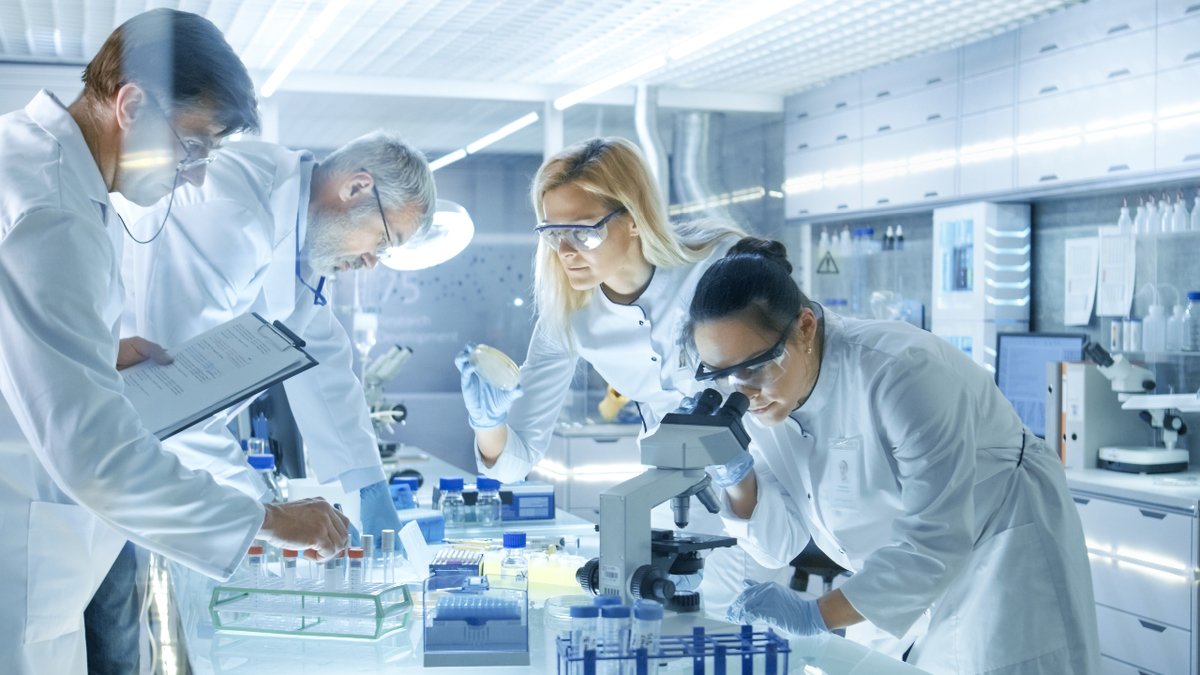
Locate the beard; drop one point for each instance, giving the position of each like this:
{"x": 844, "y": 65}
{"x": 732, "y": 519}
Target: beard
{"x": 327, "y": 231}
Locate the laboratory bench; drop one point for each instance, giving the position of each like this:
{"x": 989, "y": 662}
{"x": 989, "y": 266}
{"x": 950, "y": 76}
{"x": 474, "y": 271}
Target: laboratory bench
{"x": 1143, "y": 540}
{"x": 209, "y": 651}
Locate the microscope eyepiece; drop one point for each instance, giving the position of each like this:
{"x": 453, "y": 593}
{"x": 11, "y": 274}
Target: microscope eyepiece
{"x": 707, "y": 402}
{"x": 737, "y": 404}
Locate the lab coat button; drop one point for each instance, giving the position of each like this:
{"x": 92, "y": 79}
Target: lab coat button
{"x": 842, "y": 551}
{"x": 641, "y": 323}
{"x": 654, "y": 358}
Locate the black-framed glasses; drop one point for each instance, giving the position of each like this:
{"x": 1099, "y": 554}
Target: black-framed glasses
{"x": 578, "y": 237}
{"x": 755, "y": 372}
{"x": 387, "y": 232}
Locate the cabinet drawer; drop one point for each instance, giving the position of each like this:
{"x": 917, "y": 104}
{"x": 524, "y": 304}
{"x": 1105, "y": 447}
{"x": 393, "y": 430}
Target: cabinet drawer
{"x": 1172, "y": 10}
{"x": 1137, "y": 532}
{"x": 839, "y": 95}
{"x": 910, "y": 111}
{"x": 909, "y": 75}
{"x": 1177, "y": 94}
{"x": 1109, "y": 60}
{"x": 1159, "y": 596}
{"x": 823, "y": 131}
{"x": 1135, "y": 640}
{"x": 1110, "y": 666}
{"x": 991, "y": 54}
{"x": 601, "y": 450}
{"x": 1178, "y": 143}
{"x": 988, "y": 92}
{"x": 1085, "y": 23}
{"x": 986, "y": 158}
{"x": 1179, "y": 43}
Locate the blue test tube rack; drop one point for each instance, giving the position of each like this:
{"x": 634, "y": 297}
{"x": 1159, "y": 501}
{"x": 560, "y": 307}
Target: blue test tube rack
{"x": 709, "y": 653}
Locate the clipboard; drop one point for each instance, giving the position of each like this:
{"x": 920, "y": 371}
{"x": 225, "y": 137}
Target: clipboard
{"x": 218, "y": 369}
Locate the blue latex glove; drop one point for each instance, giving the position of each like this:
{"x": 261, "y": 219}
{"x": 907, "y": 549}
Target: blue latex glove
{"x": 778, "y": 606}
{"x": 378, "y": 511}
{"x": 487, "y": 405}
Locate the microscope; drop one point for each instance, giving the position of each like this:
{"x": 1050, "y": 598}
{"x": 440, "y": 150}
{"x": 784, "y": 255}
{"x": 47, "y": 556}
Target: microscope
{"x": 636, "y": 562}
{"x": 384, "y": 417}
{"x": 1131, "y": 383}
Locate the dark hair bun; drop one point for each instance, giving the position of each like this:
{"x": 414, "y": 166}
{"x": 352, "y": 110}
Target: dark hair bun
{"x": 768, "y": 249}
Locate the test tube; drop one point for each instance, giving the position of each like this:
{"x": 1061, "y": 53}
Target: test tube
{"x": 254, "y": 564}
{"x": 583, "y": 635}
{"x": 647, "y": 627}
{"x": 333, "y": 574}
{"x": 289, "y": 567}
{"x": 311, "y": 568}
{"x": 354, "y": 569}
{"x": 387, "y": 543}
{"x": 368, "y": 547}
{"x": 614, "y": 640}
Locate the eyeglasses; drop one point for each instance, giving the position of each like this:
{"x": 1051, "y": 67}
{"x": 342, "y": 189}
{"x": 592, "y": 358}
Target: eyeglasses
{"x": 578, "y": 237}
{"x": 386, "y": 248}
{"x": 756, "y": 372}
{"x": 195, "y": 153}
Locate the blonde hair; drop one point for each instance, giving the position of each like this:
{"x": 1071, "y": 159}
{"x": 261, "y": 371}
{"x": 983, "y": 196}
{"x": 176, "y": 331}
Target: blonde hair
{"x": 614, "y": 172}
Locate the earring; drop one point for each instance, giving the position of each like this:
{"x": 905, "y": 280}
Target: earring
{"x": 810, "y": 349}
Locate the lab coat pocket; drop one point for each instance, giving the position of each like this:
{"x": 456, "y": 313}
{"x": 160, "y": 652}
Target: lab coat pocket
{"x": 1009, "y": 610}
{"x": 60, "y": 578}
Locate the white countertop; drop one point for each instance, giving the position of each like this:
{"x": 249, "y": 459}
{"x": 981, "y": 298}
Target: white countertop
{"x": 578, "y": 430}
{"x": 1156, "y": 488}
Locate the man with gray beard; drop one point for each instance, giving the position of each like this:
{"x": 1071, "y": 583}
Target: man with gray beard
{"x": 260, "y": 235}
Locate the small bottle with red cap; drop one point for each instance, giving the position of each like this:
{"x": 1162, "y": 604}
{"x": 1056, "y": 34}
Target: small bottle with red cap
{"x": 290, "y": 556}
{"x": 254, "y": 564}
{"x": 354, "y": 570}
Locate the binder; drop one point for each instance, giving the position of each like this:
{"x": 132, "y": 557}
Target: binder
{"x": 215, "y": 370}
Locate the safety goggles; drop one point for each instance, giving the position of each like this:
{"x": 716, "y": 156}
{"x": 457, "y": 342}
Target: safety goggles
{"x": 195, "y": 153}
{"x": 578, "y": 237}
{"x": 756, "y": 372}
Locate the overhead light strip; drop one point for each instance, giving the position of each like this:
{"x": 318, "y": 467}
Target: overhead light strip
{"x": 302, "y": 46}
{"x": 484, "y": 141}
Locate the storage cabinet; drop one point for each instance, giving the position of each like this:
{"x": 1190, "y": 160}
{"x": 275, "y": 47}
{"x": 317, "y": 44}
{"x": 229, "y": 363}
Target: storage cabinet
{"x": 1142, "y": 545}
{"x": 588, "y": 461}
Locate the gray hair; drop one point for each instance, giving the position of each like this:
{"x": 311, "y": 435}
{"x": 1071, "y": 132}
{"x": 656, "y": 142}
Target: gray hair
{"x": 401, "y": 173}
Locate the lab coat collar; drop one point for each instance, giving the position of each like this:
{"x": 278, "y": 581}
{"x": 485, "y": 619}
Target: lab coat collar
{"x": 51, "y": 115}
{"x": 306, "y": 172}
{"x": 641, "y": 304}
{"x": 831, "y": 347}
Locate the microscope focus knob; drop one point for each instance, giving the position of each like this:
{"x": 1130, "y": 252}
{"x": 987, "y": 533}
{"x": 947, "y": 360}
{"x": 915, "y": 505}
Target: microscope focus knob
{"x": 649, "y": 583}
{"x": 588, "y": 576}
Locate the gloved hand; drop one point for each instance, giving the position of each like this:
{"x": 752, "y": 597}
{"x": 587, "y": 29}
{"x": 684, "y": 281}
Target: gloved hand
{"x": 728, "y": 475}
{"x": 487, "y": 404}
{"x": 780, "y": 607}
{"x": 378, "y": 511}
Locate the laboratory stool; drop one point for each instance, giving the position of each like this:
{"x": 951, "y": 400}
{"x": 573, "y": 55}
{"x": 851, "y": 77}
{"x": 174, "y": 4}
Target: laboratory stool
{"x": 813, "y": 561}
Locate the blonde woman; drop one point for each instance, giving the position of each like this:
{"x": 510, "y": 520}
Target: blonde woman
{"x": 612, "y": 284}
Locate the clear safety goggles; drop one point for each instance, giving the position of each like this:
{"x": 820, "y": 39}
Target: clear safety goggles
{"x": 578, "y": 237}
{"x": 757, "y": 372}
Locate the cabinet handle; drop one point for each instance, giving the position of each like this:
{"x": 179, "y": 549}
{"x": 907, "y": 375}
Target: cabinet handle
{"x": 1048, "y": 48}
{"x": 801, "y": 116}
{"x": 1153, "y": 514}
{"x": 842, "y": 207}
{"x": 841, "y": 137}
{"x": 606, "y": 440}
{"x": 886, "y": 127}
{"x": 1151, "y": 626}
{"x": 934, "y": 116}
{"x": 932, "y": 81}
{"x": 882, "y": 200}
{"x": 1192, "y": 157}
{"x": 1192, "y": 9}
{"x": 839, "y": 105}
{"x": 1192, "y": 57}
{"x": 802, "y": 146}
{"x": 1118, "y": 29}
{"x": 1081, "y": 500}
{"x": 883, "y": 93}
{"x": 1050, "y": 176}
{"x": 1048, "y": 90}
{"x": 931, "y": 194}
{"x": 1118, "y": 73}
{"x": 1118, "y": 167}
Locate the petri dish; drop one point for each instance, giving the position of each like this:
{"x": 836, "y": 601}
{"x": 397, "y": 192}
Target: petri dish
{"x": 494, "y": 366}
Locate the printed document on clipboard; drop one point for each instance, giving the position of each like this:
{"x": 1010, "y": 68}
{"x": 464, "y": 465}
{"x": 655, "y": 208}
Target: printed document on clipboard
{"x": 213, "y": 371}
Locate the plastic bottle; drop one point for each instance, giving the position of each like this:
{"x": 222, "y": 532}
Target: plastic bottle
{"x": 898, "y": 242}
{"x": 354, "y": 570}
{"x": 487, "y": 504}
{"x": 1124, "y": 222}
{"x": 1151, "y": 223}
{"x": 453, "y": 506}
{"x": 1139, "y": 217}
{"x": 264, "y": 466}
{"x": 647, "y": 626}
{"x": 514, "y": 567}
{"x": 1180, "y": 216}
{"x": 1194, "y": 225}
{"x": 1133, "y": 335}
{"x": 254, "y": 564}
{"x": 1191, "y": 323}
{"x": 1175, "y": 329}
{"x": 1154, "y": 329}
{"x": 288, "y": 564}
{"x": 1165, "y": 213}
{"x": 889, "y": 238}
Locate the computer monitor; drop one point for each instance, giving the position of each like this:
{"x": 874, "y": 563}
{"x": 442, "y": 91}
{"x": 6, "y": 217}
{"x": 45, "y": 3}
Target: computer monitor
{"x": 1021, "y": 360}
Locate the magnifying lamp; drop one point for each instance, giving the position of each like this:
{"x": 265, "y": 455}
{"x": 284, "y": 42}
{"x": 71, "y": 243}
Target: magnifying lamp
{"x": 452, "y": 229}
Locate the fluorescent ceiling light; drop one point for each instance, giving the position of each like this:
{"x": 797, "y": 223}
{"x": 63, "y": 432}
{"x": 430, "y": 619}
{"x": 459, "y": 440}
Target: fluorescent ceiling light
{"x": 611, "y": 82}
{"x": 502, "y": 133}
{"x": 762, "y": 12}
{"x": 447, "y": 159}
{"x": 305, "y": 43}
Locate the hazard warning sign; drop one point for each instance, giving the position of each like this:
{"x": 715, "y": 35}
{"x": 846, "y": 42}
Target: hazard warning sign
{"x": 827, "y": 265}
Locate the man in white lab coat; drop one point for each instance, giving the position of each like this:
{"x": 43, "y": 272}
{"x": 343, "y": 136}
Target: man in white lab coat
{"x": 81, "y": 473}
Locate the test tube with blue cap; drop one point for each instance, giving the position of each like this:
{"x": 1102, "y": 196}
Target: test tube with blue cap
{"x": 583, "y": 634}
{"x": 614, "y": 640}
{"x": 647, "y": 627}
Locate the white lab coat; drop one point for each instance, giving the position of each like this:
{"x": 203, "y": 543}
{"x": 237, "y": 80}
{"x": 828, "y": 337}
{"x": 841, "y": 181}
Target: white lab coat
{"x": 903, "y": 466}
{"x": 230, "y": 248}
{"x": 80, "y": 472}
{"x": 636, "y": 349}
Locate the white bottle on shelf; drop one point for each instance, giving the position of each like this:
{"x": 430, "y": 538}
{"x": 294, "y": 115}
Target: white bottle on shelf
{"x": 1139, "y": 217}
{"x": 1191, "y": 323}
{"x": 1164, "y": 213}
{"x": 1195, "y": 219}
{"x": 1154, "y": 329}
{"x": 1151, "y": 222}
{"x": 1175, "y": 329}
{"x": 1124, "y": 222}
{"x": 1179, "y": 216}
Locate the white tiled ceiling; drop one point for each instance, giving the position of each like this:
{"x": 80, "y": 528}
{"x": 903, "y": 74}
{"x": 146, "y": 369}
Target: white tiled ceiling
{"x": 552, "y": 43}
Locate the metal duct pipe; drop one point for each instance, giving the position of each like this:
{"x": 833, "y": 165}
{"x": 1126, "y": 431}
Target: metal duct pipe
{"x": 694, "y": 172}
{"x": 645, "y": 120}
